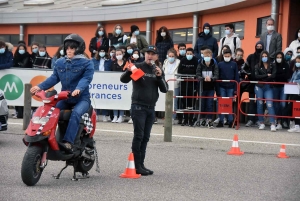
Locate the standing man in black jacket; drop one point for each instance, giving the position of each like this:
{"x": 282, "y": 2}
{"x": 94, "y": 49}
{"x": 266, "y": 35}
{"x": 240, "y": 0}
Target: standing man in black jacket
{"x": 143, "y": 99}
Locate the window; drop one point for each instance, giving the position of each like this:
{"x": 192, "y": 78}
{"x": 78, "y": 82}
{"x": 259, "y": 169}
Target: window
{"x": 261, "y": 25}
{"x": 182, "y": 35}
{"x": 48, "y": 40}
{"x": 11, "y": 38}
{"x": 219, "y": 30}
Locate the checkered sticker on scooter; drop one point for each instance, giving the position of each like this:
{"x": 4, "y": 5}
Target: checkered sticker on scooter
{"x": 87, "y": 121}
{"x": 42, "y": 125}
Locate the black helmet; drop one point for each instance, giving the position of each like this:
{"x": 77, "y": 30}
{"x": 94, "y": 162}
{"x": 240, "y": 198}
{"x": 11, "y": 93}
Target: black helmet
{"x": 75, "y": 38}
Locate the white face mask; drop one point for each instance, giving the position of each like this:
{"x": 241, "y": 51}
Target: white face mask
{"x": 279, "y": 60}
{"x": 163, "y": 34}
{"x": 227, "y": 59}
{"x": 298, "y": 35}
{"x": 119, "y": 57}
{"x": 270, "y": 28}
{"x": 136, "y": 56}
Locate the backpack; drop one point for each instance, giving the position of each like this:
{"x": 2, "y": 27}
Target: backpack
{"x": 234, "y": 42}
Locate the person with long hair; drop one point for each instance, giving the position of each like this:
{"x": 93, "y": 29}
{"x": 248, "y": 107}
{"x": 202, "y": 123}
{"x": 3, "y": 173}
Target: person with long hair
{"x": 100, "y": 39}
{"x": 22, "y": 57}
{"x": 163, "y": 43}
{"x": 265, "y": 71}
{"x": 59, "y": 53}
{"x": 34, "y": 51}
{"x": 119, "y": 38}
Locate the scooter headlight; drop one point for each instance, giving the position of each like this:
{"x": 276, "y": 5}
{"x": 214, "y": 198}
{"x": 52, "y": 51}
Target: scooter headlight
{"x": 46, "y": 101}
{"x": 35, "y": 120}
{"x": 38, "y": 120}
{"x": 44, "y": 120}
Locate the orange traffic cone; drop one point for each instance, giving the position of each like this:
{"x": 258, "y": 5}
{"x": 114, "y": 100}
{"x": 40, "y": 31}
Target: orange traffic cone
{"x": 235, "y": 150}
{"x": 282, "y": 152}
{"x": 137, "y": 74}
{"x": 130, "y": 169}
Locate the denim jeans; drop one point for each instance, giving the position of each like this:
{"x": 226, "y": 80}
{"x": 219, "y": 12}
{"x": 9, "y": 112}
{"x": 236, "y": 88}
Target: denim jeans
{"x": 278, "y": 94}
{"x": 207, "y": 103}
{"x": 143, "y": 119}
{"x": 176, "y": 93}
{"x": 121, "y": 113}
{"x": 79, "y": 109}
{"x": 265, "y": 92}
{"x": 224, "y": 92}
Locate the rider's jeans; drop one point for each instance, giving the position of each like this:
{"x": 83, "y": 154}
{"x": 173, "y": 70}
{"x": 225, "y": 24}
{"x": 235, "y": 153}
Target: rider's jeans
{"x": 80, "y": 108}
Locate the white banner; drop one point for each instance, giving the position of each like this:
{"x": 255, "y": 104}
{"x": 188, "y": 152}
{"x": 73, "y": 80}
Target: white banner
{"x": 107, "y": 92}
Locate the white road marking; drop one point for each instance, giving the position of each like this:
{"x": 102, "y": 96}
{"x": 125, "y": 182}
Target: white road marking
{"x": 191, "y": 137}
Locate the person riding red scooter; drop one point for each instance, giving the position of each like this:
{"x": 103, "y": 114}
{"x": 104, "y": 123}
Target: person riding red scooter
{"x": 75, "y": 72}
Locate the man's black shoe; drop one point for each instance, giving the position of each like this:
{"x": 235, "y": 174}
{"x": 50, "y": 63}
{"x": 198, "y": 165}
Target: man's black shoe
{"x": 141, "y": 171}
{"x": 220, "y": 124}
{"x": 150, "y": 171}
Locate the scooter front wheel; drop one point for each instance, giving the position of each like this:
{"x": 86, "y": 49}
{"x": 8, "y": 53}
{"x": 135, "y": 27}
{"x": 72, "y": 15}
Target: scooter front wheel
{"x": 31, "y": 171}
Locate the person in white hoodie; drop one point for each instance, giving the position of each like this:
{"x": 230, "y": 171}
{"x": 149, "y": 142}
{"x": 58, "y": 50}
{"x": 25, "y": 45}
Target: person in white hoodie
{"x": 296, "y": 43}
{"x": 231, "y": 39}
{"x": 170, "y": 67}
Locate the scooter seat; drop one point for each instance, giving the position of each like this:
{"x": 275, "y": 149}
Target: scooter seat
{"x": 66, "y": 114}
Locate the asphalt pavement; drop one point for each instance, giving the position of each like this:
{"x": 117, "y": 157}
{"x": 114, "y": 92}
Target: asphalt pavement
{"x": 194, "y": 166}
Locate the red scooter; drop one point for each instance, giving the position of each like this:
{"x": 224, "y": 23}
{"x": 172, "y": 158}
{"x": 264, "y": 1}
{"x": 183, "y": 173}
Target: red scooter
{"x": 44, "y": 135}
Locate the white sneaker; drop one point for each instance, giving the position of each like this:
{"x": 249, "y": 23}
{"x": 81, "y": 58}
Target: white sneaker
{"x": 120, "y": 119}
{"x": 130, "y": 121}
{"x": 292, "y": 124}
{"x": 261, "y": 127}
{"x": 278, "y": 127}
{"x": 296, "y": 129}
{"x": 217, "y": 121}
{"x": 273, "y": 128}
{"x": 249, "y": 123}
{"x": 225, "y": 120}
{"x": 115, "y": 119}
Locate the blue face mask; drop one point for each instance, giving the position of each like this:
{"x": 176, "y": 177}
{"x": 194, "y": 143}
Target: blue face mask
{"x": 137, "y": 32}
{"x": 2, "y": 50}
{"x": 189, "y": 57}
{"x": 264, "y": 59}
{"x": 171, "y": 59}
{"x": 42, "y": 54}
{"x": 101, "y": 54}
{"x": 129, "y": 51}
{"x": 182, "y": 52}
{"x": 21, "y": 51}
{"x": 227, "y": 32}
{"x": 100, "y": 33}
{"x": 207, "y": 59}
{"x": 206, "y": 31}
{"x": 35, "y": 50}
{"x": 287, "y": 57}
{"x": 118, "y": 31}
{"x": 297, "y": 65}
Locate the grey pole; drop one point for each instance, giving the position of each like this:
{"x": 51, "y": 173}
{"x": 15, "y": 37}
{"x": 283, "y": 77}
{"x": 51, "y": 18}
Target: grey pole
{"x": 195, "y": 28}
{"x": 27, "y": 106}
{"x": 21, "y": 32}
{"x": 274, "y": 13}
{"x": 149, "y": 30}
{"x": 168, "y": 116}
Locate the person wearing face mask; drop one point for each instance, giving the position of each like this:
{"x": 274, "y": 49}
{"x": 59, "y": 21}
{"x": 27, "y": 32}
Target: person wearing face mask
{"x": 282, "y": 75}
{"x": 231, "y": 39}
{"x": 205, "y": 38}
{"x": 163, "y": 43}
{"x": 6, "y": 57}
{"x": 271, "y": 39}
{"x": 129, "y": 51}
{"x": 220, "y": 58}
{"x": 137, "y": 39}
{"x": 228, "y": 70}
{"x": 135, "y": 57}
{"x": 288, "y": 54}
{"x": 170, "y": 67}
{"x": 59, "y": 53}
{"x": 119, "y": 38}
{"x": 294, "y": 123}
{"x": 112, "y": 53}
{"x": 295, "y": 44}
{"x": 265, "y": 71}
{"x": 100, "y": 39}
{"x": 22, "y": 57}
{"x": 42, "y": 60}
{"x": 34, "y": 50}
{"x": 181, "y": 50}
{"x": 249, "y": 68}
{"x": 188, "y": 65}
{"x": 292, "y": 63}
{"x": 102, "y": 63}
{"x": 207, "y": 73}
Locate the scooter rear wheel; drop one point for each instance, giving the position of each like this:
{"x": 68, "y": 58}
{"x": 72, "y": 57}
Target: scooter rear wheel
{"x": 31, "y": 171}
